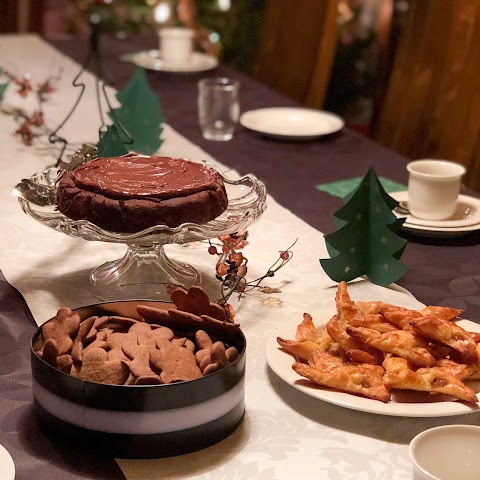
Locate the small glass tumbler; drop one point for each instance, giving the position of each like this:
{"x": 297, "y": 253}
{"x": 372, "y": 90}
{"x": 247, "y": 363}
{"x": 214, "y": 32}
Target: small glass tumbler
{"x": 218, "y": 107}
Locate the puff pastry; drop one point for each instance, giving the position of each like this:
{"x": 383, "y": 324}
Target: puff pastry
{"x": 302, "y": 350}
{"x": 435, "y": 380}
{"x": 447, "y": 333}
{"x": 355, "y": 349}
{"x": 307, "y": 340}
{"x": 403, "y": 343}
{"x": 370, "y": 348}
{"x": 354, "y": 379}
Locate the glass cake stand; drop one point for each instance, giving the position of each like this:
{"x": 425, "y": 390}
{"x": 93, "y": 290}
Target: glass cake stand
{"x": 145, "y": 270}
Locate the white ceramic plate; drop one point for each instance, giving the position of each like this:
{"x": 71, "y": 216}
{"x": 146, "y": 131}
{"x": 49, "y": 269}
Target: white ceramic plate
{"x": 292, "y": 123}
{"x": 467, "y": 213}
{"x": 7, "y": 468}
{"x": 403, "y": 403}
{"x": 439, "y": 232}
{"x": 151, "y": 60}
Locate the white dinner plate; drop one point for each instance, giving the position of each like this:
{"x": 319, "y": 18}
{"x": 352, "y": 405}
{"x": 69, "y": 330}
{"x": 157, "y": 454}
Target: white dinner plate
{"x": 467, "y": 213}
{"x": 7, "y": 467}
{"x": 151, "y": 60}
{"x": 403, "y": 403}
{"x": 292, "y": 123}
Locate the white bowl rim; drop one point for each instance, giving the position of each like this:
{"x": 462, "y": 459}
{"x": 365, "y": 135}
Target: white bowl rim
{"x": 428, "y": 432}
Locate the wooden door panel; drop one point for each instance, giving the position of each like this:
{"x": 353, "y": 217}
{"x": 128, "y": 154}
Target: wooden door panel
{"x": 297, "y": 47}
{"x": 432, "y": 105}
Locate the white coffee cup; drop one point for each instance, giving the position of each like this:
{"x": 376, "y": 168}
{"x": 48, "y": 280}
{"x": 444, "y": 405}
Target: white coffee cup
{"x": 176, "y": 45}
{"x": 448, "y": 452}
{"x": 433, "y": 188}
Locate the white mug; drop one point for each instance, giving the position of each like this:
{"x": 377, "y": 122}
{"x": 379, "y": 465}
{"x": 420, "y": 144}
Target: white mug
{"x": 176, "y": 45}
{"x": 447, "y": 452}
{"x": 433, "y": 188}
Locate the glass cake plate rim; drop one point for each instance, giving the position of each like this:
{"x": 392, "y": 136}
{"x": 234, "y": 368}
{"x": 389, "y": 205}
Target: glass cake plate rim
{"x": 36, "y": 196}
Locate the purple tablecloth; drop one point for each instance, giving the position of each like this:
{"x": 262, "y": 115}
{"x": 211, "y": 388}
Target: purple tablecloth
{"x": 440, "y": 271}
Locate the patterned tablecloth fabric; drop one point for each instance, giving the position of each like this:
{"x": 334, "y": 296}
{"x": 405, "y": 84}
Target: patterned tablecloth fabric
{"x": 284, "y": 430}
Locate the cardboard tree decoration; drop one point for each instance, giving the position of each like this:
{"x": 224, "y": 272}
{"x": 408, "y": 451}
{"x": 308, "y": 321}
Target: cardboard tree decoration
{"x": 3, "y": 85}
{"x": 110, "y": 144}
{"x": 140, "y": 115}
{"x": 366, "y": 240}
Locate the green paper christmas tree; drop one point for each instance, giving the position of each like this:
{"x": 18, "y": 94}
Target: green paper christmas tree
{"x": 110, "y": 144}
{"x": 3, "y": 86}
{"x": 140, "y": 115}
{"x": 366, "y": 240}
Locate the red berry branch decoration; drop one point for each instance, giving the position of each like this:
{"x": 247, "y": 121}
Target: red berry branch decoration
{"x": 231, "y": 267}
{"x": 30, "y": 125}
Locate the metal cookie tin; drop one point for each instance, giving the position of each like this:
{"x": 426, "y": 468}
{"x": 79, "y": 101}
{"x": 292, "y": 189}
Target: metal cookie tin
{"x": 139, "y": 421}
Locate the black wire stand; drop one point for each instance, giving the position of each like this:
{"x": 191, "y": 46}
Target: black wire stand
{"x": 102, "y": 80}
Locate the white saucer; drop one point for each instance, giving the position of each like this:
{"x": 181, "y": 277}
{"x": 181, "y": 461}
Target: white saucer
{"x": 7, "y": 467}
{"x": 151, "y": 60}
{"x": 466, "y": 217}
{"x": 439, "y": 232}
{"x": 292, "y": 123}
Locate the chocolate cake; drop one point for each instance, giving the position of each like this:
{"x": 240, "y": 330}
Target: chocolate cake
{"x": 133, "y": 192}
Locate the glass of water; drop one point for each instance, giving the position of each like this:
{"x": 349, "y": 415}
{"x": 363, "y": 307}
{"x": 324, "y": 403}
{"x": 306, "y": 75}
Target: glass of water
{"x": 218, "y": 107}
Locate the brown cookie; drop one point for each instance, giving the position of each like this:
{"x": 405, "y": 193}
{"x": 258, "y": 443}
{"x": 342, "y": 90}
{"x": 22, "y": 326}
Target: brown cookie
{"x": 231, "y": 354}
{"x": 185, "y": 343}
{"x": 162, "y": 333}
{"x": 97, "y": 368}
{"x": 137, "y": 344}
{"x": 203, "y": 340}
{"x": 118, "y": 323}
{"x": 175, "y": 364}
{"x": 92, "y": 334}
{"x": 99, "y": 342}
{"x": 151, "y": 379}
{"x": 204, "y": 360}
{"x": 211, "y": 368}
{"x": 218, "y": 354}
{"x": 64, "y": 363}
{"x": 49, "y": 352}
{"x": 83, "y": 330}
{"x": 154, "y": 315}
{"x": 114, "y": 345}
{"x": 63, "y": 329}
{"x": 196, "y": 301}
{"x": 216, "y": 327}
{"x": 173, "y": 319}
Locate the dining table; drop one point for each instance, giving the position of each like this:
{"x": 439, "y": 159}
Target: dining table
{"x": 285, "y": 432}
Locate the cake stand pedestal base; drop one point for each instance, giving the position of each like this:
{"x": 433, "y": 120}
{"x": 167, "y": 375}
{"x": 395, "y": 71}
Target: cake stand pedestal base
{"x": 144, "y": 272}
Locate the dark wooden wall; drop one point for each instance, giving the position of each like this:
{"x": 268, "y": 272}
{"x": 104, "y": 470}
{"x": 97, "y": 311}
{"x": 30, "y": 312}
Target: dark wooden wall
{"x": 297, "y": 47}
{"x": 14, "y": 13}
{"x": 432, "y": 104}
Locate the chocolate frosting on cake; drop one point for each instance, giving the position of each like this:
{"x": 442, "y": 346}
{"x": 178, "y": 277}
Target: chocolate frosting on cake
{"x": 138, "y": 176}
{"x": 134, "y": 192}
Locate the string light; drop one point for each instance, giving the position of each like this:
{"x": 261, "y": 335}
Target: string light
{"x": 162, "y": 12}
{"x": 224, "y": 5}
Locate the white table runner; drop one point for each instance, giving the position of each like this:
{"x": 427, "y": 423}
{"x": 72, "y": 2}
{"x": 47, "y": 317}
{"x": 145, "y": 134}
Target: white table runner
{"x": 284, "y": 431}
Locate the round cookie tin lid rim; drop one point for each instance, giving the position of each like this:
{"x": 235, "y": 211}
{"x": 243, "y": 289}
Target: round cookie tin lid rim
{"x": 37, "y": 332}
{"x": 163, "y": 385}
